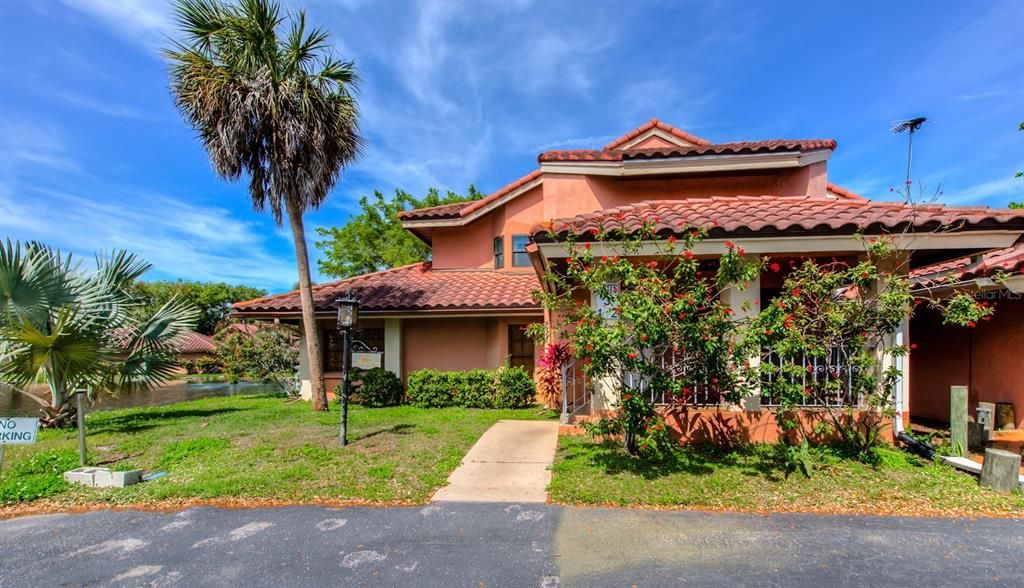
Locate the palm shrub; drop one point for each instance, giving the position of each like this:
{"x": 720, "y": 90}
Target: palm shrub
{"x": 77, "y": 329}
{"x": 270, "y": 101}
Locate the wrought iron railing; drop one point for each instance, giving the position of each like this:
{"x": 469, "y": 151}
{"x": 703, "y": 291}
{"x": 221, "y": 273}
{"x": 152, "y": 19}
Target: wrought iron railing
{"x": 829, "y": 381}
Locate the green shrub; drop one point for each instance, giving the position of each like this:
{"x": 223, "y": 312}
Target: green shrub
{"x": 432, "y": 388}
{"x": 514, "y": 388}
{"x": 475, "y": 389}
{"x": 188, "y": 365}
{"x": 207, "y": 365}
{"x": 38, "y": 477}
{"x": 379, "y": 388}
{"x": 501, "y": 388}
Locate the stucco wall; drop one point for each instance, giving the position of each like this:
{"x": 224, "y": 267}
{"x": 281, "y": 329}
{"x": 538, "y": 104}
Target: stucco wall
{"x": 989, "y": 360}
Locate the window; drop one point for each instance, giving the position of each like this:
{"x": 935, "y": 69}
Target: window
{"x": 332, "y": 351}
{"x": 499, "y": 253}
{"x": 520, "y": 348}
{"x": 604, "y": 302}
{"x": 520, "y": 258}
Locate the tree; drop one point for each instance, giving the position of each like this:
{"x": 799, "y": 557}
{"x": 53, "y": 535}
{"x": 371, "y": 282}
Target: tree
{"x": 269, "y": 100}
{"x": 374, "y": 239}
{"x": 81, "y": 330}
{"x": 213, "y": 299}
{"x": 267, "y": 354}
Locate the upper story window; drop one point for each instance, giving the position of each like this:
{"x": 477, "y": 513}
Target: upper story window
{"x": 520, "y": 258}
{"x": 499, "y": 252}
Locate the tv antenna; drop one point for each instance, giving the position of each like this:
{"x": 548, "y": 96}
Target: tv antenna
{"x": 909, "y": 126}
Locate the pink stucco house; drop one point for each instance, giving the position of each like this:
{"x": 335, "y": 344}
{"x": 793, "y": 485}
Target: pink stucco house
{"x": 467, "y": 307}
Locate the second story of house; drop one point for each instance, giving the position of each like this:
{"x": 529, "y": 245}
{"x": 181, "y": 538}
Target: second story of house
{"x": 655, "y": 161}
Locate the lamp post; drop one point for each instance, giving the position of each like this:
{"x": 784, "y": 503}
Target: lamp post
{"x": 348, "y": 316}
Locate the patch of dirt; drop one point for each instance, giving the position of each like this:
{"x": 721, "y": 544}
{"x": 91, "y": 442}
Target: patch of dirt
{"x": 172, "y": 505}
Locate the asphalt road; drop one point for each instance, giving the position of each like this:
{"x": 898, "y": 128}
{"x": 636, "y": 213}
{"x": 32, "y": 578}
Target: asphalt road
{"x": 459, "y": 544}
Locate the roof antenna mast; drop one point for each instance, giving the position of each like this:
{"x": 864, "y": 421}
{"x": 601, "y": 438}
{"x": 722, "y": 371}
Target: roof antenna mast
{"x": 909, "y": 126}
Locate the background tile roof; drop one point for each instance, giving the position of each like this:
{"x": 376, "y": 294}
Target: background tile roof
{"x": 1009, "y": 260}
{"x": 413, "y": 288}
{"x": 751, "y": 215}
{"x": 462, "y": 209}
{"x": 738, "y": 148}
{"x": 656, "y": 124}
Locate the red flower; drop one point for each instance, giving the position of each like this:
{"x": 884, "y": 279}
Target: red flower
{"x": 627, "y": 397}
{"x": 594, "y": 232}
{"x": 587, "y": 245}
{"x": 586, "y": 361}
{"x": 652, "y": 264}
{"x": 913, "y": 345}
{"x": 604, "y": 259}
{"x": 682, "y": 315}
{"x": 729, "y": 245}
{"x": 741, "y": 251}
{"x": 688, "y": 254}
{"x": 672, "y": 240}
{"x": 775, "y": 267}
{"x": 643, "y": 338}
{"x": 632, "y": 355}
{"x": 807, "y": 390}
{"x": 972, "y": 324}
{"x": 795, "y": 292}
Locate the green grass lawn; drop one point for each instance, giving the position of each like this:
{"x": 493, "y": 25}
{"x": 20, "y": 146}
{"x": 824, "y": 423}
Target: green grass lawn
{"x": 589, "y": 473}
{"x": 254, "y": 447}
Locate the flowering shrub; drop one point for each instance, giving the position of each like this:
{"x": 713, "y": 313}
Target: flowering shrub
{"x": 666, "y": 302}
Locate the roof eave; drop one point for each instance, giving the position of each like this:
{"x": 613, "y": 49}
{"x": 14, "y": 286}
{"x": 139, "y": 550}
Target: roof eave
{"x": 689, "y": 164}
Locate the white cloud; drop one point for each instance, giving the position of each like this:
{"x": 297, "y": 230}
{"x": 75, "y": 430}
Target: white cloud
{"x": 180, "y": 239}
{"x": 993, "y": 192}
{"x": 147, "y": 22}
{"x": 979, "y": 96}
{"x": 104, "y": 107}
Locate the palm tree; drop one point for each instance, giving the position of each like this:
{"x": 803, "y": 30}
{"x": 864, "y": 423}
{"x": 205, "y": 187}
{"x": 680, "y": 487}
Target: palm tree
{"x": 81, "y": 330}
{"x": 269, "y": 100}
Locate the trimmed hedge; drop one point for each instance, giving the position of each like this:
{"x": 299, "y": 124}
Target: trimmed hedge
{"x": 378, "y": 388}
{"x": 501, "y": 388}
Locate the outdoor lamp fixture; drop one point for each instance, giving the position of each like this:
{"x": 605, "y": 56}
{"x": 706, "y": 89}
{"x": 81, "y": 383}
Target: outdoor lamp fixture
{"x": 348, "y": 315}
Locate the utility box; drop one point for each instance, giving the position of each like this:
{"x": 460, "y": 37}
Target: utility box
{"x": 986, "y": 412}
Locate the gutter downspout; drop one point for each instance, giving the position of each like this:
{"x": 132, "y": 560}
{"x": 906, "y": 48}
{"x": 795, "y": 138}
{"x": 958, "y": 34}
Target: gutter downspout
{"x": 897, "y": 425}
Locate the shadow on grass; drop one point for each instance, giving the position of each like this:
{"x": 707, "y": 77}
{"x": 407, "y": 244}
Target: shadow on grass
{"x": 694, "y": 460}
{"x": 140, "y": 421}
{"x": 400, "y": 429}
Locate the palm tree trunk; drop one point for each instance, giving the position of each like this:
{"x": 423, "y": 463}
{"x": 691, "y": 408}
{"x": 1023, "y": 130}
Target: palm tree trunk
{"x": 309, "y": 325}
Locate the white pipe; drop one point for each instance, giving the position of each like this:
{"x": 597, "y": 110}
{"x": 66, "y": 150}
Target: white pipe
{"x": 897, "y": 425}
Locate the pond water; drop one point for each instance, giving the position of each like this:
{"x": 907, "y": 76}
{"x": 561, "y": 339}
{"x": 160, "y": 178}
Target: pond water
{"x": 17, "y": 404}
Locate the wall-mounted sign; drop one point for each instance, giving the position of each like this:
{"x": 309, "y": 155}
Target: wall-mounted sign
{"x": 18, "y": 431}
{"x": 367, "y": 360}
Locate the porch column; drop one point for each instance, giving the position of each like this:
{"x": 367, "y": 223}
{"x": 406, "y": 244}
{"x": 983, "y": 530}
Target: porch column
{"x": 901, "y": 336}
{"x": 745, "y": 305}
{"x": 393, "y": 346}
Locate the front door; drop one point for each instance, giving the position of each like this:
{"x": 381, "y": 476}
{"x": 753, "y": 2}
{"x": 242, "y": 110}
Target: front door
{"x": 520, "y": 348}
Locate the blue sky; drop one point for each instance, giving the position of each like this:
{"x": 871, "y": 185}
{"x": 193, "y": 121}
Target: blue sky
{"x": 93, "y": 155}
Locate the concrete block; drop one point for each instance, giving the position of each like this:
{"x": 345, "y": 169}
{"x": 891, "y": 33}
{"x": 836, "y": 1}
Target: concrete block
{"x": 103, "y": 477}
{"x": 1000, "y": 470}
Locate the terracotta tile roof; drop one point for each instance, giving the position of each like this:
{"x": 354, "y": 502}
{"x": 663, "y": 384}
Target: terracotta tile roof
{"x": 414, "y": 288}
{"x": 770, "y": 215}
{"x": 463, "y": 209}
{"x": 434, "y": 212}
{"x": 843, "y": 192}
{"x": 1009, "y": 260}
{"x": 737, "y": 148}
{"x": 186, "y": 342}
{"x": 655, "y": 124}
{"x": 193, "y": 342}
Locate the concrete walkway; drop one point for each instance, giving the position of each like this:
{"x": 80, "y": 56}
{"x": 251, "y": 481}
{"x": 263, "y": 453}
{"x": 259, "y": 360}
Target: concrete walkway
{"x": 511, "y": 462}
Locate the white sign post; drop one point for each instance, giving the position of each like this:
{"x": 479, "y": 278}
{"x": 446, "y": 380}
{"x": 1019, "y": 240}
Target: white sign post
{"x": 16, "y": 431}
